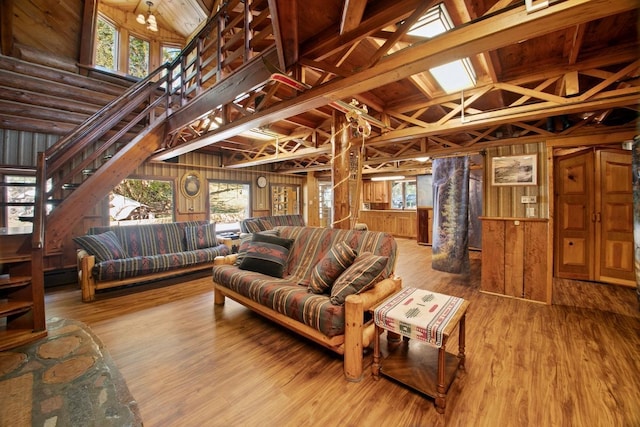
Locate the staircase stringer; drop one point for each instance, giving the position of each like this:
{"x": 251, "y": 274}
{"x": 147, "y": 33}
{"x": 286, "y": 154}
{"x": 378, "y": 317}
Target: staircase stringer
{"x": 62, "y": 220}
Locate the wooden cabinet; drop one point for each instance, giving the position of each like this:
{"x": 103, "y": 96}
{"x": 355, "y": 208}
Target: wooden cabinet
{"x": 397, "y": 222}
{"x": 425, "y": 226}
{"x": 21, "y": 301}
{"x": 375, "y": 191}
{"x": 514, "y": 258}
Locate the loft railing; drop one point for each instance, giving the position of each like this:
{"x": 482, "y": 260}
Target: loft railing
{"x": 238, "y": 32}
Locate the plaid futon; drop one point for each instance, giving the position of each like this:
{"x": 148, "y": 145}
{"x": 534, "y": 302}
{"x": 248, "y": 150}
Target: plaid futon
{"x": 290, "y": 295}
{"x": 153, "y": 248}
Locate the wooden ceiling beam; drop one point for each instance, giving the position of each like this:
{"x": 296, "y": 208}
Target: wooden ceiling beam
{"x": 284, "y": 18}
{"x": 352, "y": 15}
{"x": 488, "y": 34}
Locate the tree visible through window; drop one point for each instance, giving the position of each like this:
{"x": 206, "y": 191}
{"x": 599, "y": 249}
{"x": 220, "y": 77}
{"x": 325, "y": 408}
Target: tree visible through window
{"x": 169, "y": 53}
{"x": 106, "y": 45}
{"x": 141, "y": 200}
{"x": 138, "y": 57}
{"x": 229, "y": 203}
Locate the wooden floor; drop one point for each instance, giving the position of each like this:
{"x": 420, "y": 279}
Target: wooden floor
{"x": 188, "y": 363}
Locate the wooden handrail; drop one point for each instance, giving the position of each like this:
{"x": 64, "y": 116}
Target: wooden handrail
{"x": 143, "y": 106}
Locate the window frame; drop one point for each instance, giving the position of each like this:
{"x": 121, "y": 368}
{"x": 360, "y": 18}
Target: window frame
{"x": 246, "y": 185}
{"x": 116, "y": 43}
{"x": 404, "y": 194}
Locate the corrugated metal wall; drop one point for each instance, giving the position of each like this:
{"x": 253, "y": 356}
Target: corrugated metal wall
{"x": 505, "y": 201}
{"x": 18, "y": 148}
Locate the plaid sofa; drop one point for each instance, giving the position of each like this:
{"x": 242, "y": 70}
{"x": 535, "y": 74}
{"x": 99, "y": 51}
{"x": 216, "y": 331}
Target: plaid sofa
{"x": 263, "y": 223}
{"x": 119, "y": 255}
{"x": 345, "y": 328}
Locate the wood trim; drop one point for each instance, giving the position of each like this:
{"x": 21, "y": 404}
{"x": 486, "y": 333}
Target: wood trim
{"x": 6, "y": 27}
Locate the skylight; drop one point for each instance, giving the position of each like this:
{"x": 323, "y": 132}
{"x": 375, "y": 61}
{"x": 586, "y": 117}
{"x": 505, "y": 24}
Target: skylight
{"x": 454, "y": 76}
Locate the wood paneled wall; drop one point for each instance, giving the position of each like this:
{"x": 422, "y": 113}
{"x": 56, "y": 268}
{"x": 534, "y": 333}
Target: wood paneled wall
{"x": 505, "y": 201}
{"x": 208, "y": 166}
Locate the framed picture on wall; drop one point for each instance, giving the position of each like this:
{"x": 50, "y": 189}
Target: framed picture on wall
{"x": 191, "y": 184}
{"x": 514, "y": 170}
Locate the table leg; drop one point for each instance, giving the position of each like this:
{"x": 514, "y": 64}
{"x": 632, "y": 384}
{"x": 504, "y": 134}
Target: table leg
{"x": 375, "y": 368}
{"x": 440, "y": 387}
{"x": 461, "y": 342}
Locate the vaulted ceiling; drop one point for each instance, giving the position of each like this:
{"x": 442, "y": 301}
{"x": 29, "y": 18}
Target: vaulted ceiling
{"x": 568, "y": 69}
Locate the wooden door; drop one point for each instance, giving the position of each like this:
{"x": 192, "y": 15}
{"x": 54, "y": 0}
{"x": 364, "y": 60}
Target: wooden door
{"x": 594, "y": 227}
{"x": 574, "y": 243}
{"x": 614, "y": 219}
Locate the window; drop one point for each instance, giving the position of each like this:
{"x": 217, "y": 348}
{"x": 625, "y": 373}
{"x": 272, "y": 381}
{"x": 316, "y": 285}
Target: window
{"x": 285, "y": 199}
{"x": 140, "y": 201}
{"x": 106, "y": 44}
{"x": 169, "y": 53}
{"x": 20, "y": 198}
{"x": 403, "y": 194}
{"x": 138, "y": 57}
{"x": 229, "y": 203}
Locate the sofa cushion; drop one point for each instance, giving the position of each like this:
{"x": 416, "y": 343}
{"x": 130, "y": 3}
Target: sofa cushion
{"x": 330, "y": 267}
{"x": 104, "y": 246}
{"x": 312, "y": 243}
{"x": 200, "y": 236}
{"x": 367, "y": 270}
{"x": 117, "y": 269}
{"x": 267, "y": 254}
{"x": 284, "y": 296}
{"x": 255, "y": 225}
{"x": 150, "y": 239}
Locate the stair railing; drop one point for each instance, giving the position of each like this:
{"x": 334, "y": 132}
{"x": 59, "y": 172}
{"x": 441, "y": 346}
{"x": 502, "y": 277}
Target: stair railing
{"x": 239, "y": 31}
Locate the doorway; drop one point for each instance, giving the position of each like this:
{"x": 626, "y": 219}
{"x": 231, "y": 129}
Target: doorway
{"x": 594, "y": 226}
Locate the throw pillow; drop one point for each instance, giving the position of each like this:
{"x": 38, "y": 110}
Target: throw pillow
{"x": 244, "y": 244}
{"x": 265, "y": 258}
{"x": 255, "y": 225}
{"x": 330, "y": 267}
{"x": 200, "y": 236}
{"x": 367, "y": 270}
{"x": 103, "y": 246}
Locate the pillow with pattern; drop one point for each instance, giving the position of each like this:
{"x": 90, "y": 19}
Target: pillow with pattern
{"x": 367, "y": 270}
{"x": 104, "y": 246}
{"x": 267, "y": 255}
{"x": 330, "y": 267}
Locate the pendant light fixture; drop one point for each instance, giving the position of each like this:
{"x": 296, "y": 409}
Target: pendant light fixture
{"x": 150, "y": 20}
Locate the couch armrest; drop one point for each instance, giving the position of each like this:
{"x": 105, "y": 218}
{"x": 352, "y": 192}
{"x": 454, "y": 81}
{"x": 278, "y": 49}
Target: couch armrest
{"x": 354, "y": 334}
{"x": 225, "y": 260}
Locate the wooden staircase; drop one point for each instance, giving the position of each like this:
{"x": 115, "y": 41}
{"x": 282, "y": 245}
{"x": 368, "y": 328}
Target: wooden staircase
{"x": 91, "y": 158}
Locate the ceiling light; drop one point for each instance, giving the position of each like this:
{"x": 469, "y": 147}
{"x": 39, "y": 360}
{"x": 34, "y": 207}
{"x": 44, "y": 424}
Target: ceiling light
{"x": 150, "y": 20}
{"x": 422, "y": 159}
{"x": 387, "y": 178}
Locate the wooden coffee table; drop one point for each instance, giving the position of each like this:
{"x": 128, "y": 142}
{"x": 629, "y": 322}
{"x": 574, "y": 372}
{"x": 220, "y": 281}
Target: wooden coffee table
{"x": 422, "y": 364}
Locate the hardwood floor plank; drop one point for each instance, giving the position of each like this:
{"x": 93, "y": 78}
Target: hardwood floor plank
{"x": 189, "y": 363}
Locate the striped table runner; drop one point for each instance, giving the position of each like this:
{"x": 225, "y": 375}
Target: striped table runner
{"x": 417, "y": 314}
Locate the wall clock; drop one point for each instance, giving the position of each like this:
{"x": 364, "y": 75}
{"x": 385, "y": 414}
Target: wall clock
{"x": 261, "y": 181}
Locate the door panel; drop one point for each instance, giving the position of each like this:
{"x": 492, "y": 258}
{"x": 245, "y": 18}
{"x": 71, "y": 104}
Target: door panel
{"x": 574, "y": 234}
{"x": 614, "y": 234}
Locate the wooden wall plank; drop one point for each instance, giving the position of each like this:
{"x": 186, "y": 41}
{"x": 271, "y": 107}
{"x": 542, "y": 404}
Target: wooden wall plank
{"x": 514, "y": 258}
{"x": 493, "y": 241}
{"x": 535, "y": 257}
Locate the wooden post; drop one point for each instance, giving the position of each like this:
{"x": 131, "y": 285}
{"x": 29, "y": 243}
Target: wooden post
{"x": 313, "y": 208}
{"x": 340, "y": 173}
{"x": 6, "y": 27}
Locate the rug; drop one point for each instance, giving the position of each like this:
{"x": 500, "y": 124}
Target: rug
{"x": 64, "y": 379}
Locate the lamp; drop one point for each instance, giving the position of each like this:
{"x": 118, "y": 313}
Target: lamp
{"x": 150, "y": 20}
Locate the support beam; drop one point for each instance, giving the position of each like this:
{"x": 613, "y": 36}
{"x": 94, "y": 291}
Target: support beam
{"x": 489, "y": 34}
{"x": 340, "y": 173}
